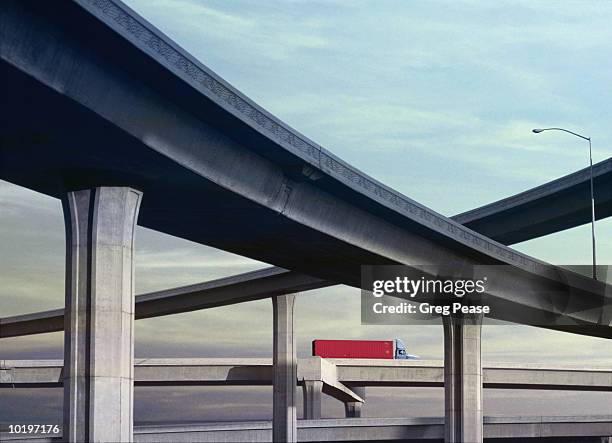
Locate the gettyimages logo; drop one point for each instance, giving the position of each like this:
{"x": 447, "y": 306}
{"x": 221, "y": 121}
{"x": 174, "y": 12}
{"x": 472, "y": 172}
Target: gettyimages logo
{"x": 411, "y": 288}
{"x": 402, "y": 294}
{"x": 559, "y": 296}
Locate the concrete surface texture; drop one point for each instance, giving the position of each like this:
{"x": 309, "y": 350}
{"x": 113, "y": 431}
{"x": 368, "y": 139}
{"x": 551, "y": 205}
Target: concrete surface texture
{"x": 99, "y": 323}
{"x": 284, "y": 408}
{"x": 552, "y": 207}
{"x": 463, "y": 378}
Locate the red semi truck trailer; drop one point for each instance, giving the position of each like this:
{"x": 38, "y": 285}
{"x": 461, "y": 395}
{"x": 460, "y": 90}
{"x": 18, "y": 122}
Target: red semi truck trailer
{"x": 382, "y": 349}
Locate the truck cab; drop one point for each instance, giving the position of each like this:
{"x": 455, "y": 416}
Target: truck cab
{"x": 400, "y": 351}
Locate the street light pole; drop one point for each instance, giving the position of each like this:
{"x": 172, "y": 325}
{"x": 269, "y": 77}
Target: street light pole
{"x": 537, "y": 131}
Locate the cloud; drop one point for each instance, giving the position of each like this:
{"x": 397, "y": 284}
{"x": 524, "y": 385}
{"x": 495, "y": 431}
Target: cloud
{"x": 267, "y": 32}
{"x": 16, "y": 200}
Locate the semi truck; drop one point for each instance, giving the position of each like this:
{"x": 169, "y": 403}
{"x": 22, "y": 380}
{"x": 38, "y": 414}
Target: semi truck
{"x": 379, "y": 349}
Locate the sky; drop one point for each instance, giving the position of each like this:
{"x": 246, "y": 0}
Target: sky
{"x": 435, "y": 99}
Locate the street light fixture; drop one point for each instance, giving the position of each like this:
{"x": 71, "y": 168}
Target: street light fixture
{"x": 537, "y": 131}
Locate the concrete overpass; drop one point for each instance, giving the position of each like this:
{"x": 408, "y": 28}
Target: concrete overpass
{"x": 552, "y": 207}
{"x": 182, "y": 372}
{"x": 352, "y": 372}
{"x": 255, "y": 285}
{"x": 106, "y": 109}
{"x": 342, "y": 379}
{"x": 497, "y": 429}
{"x": 503, "y": 221}
{"x": 573, "y": 429}
{"x": 169, "y": 127}
{"x": 362, "y": 373}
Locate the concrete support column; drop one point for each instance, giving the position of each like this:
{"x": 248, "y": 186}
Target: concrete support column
{"x": 312, "y": 390}
{"x": 98, "y": 372}
{"x": 284, "y": 415}
{"x": 462, "y": 378}
{"x": 352, "y": 409}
